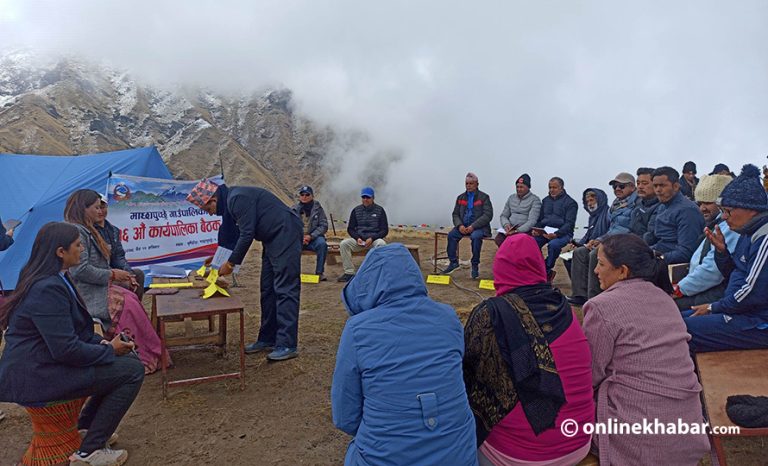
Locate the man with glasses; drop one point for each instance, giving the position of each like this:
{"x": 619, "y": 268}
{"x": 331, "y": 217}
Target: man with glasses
{"x": 739, "y": 320}
{"x": 472, "y": 215}
{"x": 315, "y": 224}
{"x": 367, "y": 228}
{"x": 679, "y": 222}
{"x": 704, "y": 283}
{"x": 584, "y": 282}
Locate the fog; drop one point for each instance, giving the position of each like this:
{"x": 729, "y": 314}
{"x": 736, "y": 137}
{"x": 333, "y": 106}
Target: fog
{"x": 576, "y": 89}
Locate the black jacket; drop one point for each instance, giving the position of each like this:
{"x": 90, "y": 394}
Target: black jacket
{"x": 50, "y": 347}
{"x": 318, "y": 221}
{"x": 259, "y": 216}
{"x": 483, "y": 211}
{"x": 643, "y": 215}
{"x": 368, "y": 222}
{"x": 560, "y": 213}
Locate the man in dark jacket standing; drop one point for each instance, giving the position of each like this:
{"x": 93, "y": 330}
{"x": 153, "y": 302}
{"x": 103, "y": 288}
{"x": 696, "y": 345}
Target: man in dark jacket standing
{"x": 315, "y": 224}
{"x": 472, "y": 217}
{"x": 558, "y": 210}
{"x": 259, "y": 215}
{"x": 367, "y": 228}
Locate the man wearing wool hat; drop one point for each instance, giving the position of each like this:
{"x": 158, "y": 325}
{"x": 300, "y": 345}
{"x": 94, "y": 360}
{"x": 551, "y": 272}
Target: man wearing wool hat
{"x": 521, "y": 212}
{"x": 739, "y": 320}
{"x": 704, "y": 282}
{"x": 259, "y": 215}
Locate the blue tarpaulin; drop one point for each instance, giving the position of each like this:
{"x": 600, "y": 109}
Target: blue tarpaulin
{"x": 35, "y": 188}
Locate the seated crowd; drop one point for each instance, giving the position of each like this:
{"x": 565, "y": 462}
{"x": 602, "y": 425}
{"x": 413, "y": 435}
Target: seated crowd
{"x": 410, "y": 385}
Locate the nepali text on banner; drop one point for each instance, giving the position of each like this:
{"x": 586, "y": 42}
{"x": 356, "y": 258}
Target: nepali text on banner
{"x": 157, "y": 224}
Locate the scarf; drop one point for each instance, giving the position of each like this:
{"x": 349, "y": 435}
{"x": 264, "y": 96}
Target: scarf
{"x": 508, "y": 359}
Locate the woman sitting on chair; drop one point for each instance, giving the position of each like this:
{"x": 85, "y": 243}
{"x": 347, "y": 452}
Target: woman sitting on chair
{"x": 118, "y": 309}
{"x": 52, "y": 353}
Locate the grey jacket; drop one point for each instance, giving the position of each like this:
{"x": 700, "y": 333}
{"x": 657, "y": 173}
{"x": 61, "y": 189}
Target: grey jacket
{"x": 318, "y": 221}
{"x": 523, "y": 213}
{"x": 91, "y": 277}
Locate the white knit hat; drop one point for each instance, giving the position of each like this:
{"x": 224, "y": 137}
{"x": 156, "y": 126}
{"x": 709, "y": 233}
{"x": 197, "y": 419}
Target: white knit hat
{"x": 710, "y": 187}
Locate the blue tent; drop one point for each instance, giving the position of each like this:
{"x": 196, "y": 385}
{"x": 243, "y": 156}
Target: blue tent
{"x": 35, "y": 188}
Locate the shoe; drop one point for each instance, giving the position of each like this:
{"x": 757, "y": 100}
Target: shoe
{"x": 577, "y": 300}
{"x": 103, "y": 457}
{"x": 551, "y": 275}
{"x": 345, "y": 278}
{"x": 475, "y": 272}
{"x": 323, "y": 278}
{"x": 451, "y": 267}
{"x": 281, "y": 354}
{"x": 258, "y": 347}
{"x": 110, "y": 441}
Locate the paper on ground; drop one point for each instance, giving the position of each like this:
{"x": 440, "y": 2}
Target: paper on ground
{"x": 566, "y": 256}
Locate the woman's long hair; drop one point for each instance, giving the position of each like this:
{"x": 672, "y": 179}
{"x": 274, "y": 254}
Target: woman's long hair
{"x": 74, "y": 212}
{"x": 631, "y": 250}
{"x": 43, "y": 262}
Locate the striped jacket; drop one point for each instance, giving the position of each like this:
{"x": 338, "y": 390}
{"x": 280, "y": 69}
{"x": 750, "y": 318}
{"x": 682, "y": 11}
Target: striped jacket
{"x": 747, "y": 274}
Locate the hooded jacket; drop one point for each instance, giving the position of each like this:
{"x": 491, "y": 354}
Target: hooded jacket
{"x": 747, "y": 275}
{"x": 599, "y": 219}
{"x": 621, "y": 215}
{"x": 398, "y": 386}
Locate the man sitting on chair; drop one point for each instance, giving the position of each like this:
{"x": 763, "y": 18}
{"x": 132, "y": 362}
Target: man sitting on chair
{"x": 315, "y": 224}
{"x": 472, "y": 217}
{"x": 367, "y": 228}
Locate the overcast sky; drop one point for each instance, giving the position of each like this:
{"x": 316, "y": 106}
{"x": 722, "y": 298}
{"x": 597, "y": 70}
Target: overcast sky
{"x": 567, "y": 88}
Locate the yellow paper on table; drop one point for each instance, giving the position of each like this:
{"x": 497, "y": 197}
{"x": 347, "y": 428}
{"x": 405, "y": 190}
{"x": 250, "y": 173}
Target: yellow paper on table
{"x": 439, "y": 279}
{"x": 213, "y": 276}
{"x": 486, "y": 285}
{"x": 201, "y": 271}
{"x": 212, "y": 289}
{"x": 309, "y": 278}
{"x": 171, "y": 285}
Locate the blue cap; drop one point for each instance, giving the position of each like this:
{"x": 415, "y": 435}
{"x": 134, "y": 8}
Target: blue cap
{"x": 367, "y": 191}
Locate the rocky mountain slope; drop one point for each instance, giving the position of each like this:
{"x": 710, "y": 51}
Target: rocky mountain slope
{"x": 67, "y": 106}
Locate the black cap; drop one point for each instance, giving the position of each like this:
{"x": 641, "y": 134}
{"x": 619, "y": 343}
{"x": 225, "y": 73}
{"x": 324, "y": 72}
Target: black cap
{"x": 689, "y": 167}
{"x": 525, "y": 179}
{"x": 306, "y": 190}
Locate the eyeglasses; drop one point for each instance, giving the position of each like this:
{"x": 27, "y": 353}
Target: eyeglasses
{"x": 304, "y": 194}
{"x": 366, "y": 197}
{"x": 727, "y": 210}
{"x": 619, "y": 186}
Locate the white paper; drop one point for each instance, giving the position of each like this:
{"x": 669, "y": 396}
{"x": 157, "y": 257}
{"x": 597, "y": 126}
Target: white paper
{"x": 550, "y": 229}
{"x": 221, "y": 256}
{"x": 566, "y": 256}
{"x": 502, "y": 230}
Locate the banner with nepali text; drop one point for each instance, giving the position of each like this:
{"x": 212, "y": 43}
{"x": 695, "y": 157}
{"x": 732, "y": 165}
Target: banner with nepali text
{"x": 157, "y": 224}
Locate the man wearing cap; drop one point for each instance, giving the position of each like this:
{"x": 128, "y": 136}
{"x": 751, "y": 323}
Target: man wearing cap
{"x": 704, "y": 282}
{"x": 521, "y": 212}
{"x": 259, "y": 215}
{"x": 584, "y": 282}
{"x": 472, "y": 217}
{"x": 689, "y": 181}
{"x": 367, "y": 228}
{"x": 315, "y": 224}
{"x": 678, "y": 224}
{"x": 739, "y": 320}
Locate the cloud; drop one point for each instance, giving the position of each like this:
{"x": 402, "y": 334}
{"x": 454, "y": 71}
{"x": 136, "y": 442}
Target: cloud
{"x": 580, "y": 89}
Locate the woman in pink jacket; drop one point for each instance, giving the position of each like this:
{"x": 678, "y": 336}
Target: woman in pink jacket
{"x": 641, "y": 366}
{"x": 527, "y": 366}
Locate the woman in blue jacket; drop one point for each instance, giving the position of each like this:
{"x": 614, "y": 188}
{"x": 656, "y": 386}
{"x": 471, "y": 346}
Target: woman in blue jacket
{"x": 52, "y": 354}
{"x": 398, "y": 386}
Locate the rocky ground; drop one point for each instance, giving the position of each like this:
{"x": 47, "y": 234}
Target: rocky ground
{"x": 283, "y": 417}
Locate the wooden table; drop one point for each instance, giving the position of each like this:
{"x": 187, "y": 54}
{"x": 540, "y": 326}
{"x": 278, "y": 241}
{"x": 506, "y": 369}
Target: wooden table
{"x": 188, "y": 304}
{"x": 726, "y": 373}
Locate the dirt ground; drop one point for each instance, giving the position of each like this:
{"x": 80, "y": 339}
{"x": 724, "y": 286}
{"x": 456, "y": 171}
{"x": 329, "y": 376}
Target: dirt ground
{"x": 283, "y": 417}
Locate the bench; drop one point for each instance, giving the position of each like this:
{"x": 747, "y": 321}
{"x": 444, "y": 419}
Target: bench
{"x": 334, "y": 251}
{"x": 726, "y": 373}
{"x": 435, "y": 257}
